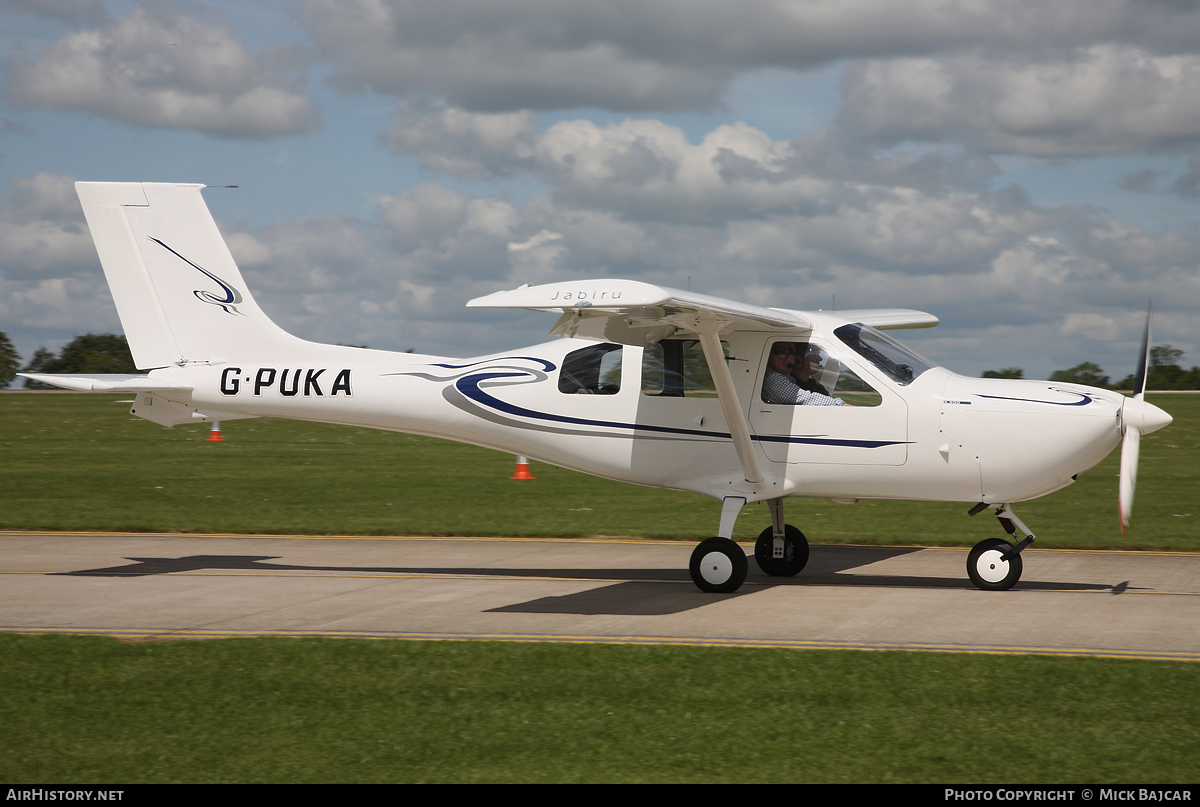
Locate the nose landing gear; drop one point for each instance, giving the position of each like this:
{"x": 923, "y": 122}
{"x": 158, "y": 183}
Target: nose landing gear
{"x": 994, "y": 564}
{"x": 990, "y": 569}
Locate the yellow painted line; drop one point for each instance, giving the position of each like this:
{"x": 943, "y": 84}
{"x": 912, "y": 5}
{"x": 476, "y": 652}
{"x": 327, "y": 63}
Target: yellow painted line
{"x": 365, "y": 575}
{"x": 406, "y": 576}
{"x": 1110, "y": 591}
{"x": 1043, "y": 549}
{"x": 792, "y": 644}
{"x": 595, "y": 539}
{"x": 598, "y": 539}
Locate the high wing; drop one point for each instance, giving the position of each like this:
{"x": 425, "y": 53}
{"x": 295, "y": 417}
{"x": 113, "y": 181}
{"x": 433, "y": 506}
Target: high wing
{"x": 629, "y": 312}
{"x": 106, "y": 382}
{"x": 889, "y": 318}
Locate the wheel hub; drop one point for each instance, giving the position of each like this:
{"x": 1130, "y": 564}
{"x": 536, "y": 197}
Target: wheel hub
{"x": 991, "y": 566}
{"x": 716, "y": 568}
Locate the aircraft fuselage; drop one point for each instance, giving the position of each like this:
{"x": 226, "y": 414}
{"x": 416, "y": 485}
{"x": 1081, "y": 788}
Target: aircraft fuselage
{"x": 941, "y": 437}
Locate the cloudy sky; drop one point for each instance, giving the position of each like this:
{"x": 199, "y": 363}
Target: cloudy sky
{"x": 1027, "y": 171}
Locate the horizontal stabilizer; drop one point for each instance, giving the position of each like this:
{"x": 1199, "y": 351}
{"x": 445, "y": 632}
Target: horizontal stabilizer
{"x": 630, "y": 312}
{"x": 106, "y": 382}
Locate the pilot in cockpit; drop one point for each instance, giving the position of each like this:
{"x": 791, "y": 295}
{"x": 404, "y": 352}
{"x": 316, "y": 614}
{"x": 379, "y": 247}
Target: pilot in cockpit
{"x": 787, "y": 383}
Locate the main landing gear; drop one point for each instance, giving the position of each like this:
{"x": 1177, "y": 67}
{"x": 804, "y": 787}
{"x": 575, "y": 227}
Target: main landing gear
{"x": 781, "y": 550}
{"x": 995, "y": 564}
{"x": 719, "y": 565}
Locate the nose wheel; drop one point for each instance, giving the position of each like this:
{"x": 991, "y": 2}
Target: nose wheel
{"x": 993, "y": 565}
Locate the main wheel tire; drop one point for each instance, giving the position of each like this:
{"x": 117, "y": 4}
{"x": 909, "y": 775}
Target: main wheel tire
{"x": 795, "y": 552}
{"x": 718, "y": 566}
{"x": 987, "y": 568}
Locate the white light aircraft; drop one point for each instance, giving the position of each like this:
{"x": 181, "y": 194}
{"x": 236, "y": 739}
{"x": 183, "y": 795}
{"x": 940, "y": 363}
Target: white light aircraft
{"x": 649, "y": 385}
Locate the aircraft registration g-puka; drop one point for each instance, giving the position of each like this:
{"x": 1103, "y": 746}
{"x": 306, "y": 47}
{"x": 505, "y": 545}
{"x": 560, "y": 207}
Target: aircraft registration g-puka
{"x": 646, "y": 384}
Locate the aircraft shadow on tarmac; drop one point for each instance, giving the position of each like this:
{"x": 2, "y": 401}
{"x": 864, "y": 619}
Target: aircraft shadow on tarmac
{"x": 641, "y": 591}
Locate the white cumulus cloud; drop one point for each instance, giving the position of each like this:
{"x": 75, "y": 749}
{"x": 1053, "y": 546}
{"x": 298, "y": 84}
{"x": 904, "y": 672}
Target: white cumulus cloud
{"x": 1105, "y": 99}
{"x": 158, "y": 67}
{"x": 634, "y": 56}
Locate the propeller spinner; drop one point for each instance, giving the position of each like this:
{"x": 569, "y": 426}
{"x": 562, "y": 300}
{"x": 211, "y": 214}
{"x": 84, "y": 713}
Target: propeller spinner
{"x": 1137, "y": 418}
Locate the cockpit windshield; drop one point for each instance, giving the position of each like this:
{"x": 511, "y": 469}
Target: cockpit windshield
{"x": 892, "y": 358}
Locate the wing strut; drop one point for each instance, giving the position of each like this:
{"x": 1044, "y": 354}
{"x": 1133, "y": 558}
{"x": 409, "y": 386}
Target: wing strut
{"x": 710, "y": 343}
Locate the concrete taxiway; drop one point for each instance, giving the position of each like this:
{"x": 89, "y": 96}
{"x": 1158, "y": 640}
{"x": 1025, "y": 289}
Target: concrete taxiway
{"x": 1130, "y": 604}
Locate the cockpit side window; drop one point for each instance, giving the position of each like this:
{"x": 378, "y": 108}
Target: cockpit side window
{"x": 806, "y": 374}
{"x": 593, "y": 370}
{"x": 887, "y": 355}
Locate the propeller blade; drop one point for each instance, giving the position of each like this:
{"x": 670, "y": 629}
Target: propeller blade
{"x": 1137, "y": 418}
{"x": 1129, "y": 463}
{"x": 1143, "y": 365}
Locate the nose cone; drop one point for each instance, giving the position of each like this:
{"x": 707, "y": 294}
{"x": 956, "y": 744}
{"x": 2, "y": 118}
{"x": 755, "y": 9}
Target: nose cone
{"x": 1143, "y": 416}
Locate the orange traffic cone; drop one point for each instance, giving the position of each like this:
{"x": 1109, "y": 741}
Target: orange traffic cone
{"x": 522, "y": 470}
{"x": 215, "y": 435}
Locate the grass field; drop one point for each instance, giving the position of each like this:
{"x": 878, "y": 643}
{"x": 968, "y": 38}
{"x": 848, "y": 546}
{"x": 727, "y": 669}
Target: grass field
{"x": 82, "y": 462}
{"x": 89, "y": 709}
{"x": 82, "y": 709}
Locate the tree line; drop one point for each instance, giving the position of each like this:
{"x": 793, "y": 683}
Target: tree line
{"x": 109, "y": 353}
{"x": 1165, "y": 373}
{"x": 91, "y": 353}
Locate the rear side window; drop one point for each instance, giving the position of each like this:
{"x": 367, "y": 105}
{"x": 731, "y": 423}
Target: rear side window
{"x": 593, "y": 370}
{"x": 676, "y": 368}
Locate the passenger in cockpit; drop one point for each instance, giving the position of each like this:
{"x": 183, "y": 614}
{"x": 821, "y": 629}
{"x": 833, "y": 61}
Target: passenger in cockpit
{"x": 807, "y": 367}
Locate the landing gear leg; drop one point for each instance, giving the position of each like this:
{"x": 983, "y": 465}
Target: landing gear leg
{"x": 995, "y": 564}
{"x": 781, "y": 549}
{"x": 718, "y": 565}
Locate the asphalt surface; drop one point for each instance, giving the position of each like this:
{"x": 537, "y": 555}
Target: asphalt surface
{"x": 1124, "y": 604}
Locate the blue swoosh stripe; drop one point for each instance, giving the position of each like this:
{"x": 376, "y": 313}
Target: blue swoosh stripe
{"x": 1087, "y": 399}
{"x": 769, "y": 438}
{"x": 469, "y": 386}
{"x": 547, "y": 366}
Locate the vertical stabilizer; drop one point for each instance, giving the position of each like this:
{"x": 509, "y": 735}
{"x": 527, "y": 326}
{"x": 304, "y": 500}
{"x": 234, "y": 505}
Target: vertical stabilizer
{"x": 178, "y": 292}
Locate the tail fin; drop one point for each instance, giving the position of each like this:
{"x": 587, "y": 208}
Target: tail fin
{"x": 178, "y": 292}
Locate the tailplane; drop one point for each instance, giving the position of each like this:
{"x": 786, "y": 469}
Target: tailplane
{"x": 178, "y": 292}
